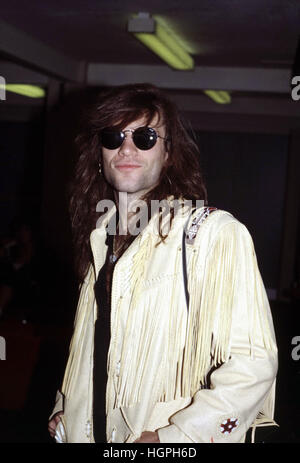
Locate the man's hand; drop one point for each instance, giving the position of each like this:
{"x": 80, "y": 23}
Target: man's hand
{"x": 53, "y": 423}
{"x": 148, "y": 437}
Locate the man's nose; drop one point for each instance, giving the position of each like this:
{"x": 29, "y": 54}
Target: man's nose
{"x": 128, "y": 147}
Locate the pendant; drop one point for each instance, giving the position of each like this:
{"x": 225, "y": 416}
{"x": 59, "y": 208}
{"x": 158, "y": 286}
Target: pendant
{"x": 112, "y": 258}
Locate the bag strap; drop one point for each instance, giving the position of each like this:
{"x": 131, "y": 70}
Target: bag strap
{"x": 188, "y": 237}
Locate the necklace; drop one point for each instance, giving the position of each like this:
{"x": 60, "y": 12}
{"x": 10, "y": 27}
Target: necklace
{"x": 113, "y": 257}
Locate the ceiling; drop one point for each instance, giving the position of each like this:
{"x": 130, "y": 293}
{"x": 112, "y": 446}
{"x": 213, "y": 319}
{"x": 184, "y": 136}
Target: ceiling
{"x": 243, "y": 46}
{"x": 251, "y": 33}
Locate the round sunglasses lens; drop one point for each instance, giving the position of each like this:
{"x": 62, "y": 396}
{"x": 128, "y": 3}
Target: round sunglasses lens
{"x": 144, "y": 138}
{"x": 111, "y": 139}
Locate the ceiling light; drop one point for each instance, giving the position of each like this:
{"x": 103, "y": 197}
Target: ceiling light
{"x": 219, "y": 96}
{"x": 31, "y": 91}
{"x": 160, "y": 41}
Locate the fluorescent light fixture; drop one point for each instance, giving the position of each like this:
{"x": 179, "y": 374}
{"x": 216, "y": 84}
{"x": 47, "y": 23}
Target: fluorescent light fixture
{"x": 219, "y": 96}
{"x": 31, "y": 91}
{"x": 160, "y": 41}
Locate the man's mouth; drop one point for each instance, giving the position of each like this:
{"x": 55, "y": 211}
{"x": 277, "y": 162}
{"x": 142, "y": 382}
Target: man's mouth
{"x": 127, "y": 166}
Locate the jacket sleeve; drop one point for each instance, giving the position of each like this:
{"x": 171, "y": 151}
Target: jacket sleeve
{"x": 242, "y": 387}
{"x": 58, "y": 406}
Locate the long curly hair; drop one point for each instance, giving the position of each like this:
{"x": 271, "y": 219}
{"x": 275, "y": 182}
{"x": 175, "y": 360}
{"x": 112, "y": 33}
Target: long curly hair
{"x": 181, "y": 176}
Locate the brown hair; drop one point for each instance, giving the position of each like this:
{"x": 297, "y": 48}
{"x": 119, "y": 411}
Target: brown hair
{"x": 181, "y": 177}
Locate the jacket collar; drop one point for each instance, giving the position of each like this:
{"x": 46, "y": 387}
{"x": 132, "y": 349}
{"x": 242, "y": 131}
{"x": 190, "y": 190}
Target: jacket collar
{"x": 99, "y": 234}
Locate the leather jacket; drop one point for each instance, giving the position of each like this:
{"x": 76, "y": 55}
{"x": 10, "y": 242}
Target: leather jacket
{"x": 205, "y": 373}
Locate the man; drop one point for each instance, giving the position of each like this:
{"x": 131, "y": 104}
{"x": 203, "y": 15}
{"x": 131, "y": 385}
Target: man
{"x": 173, "y": 306}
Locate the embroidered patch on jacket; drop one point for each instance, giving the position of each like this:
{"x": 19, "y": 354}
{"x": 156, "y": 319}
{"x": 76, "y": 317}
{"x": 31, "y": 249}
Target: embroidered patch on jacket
{"x": 197, "y": 221}
{"x": 228, "y": 425}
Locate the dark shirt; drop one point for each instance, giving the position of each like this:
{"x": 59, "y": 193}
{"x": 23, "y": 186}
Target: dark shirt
{"x": 101, "y": 341}
{"x": 101, "y": 346}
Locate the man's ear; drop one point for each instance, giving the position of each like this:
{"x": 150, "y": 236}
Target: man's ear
{"x": 167, "y": 146}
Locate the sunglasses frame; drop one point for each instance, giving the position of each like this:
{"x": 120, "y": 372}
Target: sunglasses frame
{"x": 122, "y": 135}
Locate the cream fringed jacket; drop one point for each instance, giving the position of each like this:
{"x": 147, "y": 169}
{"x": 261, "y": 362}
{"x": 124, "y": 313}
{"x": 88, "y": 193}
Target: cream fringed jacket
{"x": 200, "y": 375}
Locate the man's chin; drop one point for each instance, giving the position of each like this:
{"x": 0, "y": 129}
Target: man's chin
{"x": 131, "y": 189}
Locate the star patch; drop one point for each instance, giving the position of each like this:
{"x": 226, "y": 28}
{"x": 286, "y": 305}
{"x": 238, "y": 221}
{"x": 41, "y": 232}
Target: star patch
{"x": 227, "y": 426}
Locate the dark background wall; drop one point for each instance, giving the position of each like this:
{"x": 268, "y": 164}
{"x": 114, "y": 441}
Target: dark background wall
{"x": 246, "y": 175}
{"x": 21, "y": 162}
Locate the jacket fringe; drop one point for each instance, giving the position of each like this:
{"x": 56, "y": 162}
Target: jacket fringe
{"x": 194, "y": 340}
{"x": 205, "y": 341}
{"x": 86, "y": 299}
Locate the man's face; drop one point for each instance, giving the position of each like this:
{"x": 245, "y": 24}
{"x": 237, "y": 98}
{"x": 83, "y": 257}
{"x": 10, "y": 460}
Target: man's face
{"x": 131, "y": 170}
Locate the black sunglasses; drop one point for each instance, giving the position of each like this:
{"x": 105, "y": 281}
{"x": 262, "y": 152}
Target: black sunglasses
{"x": 144, "y": 138}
